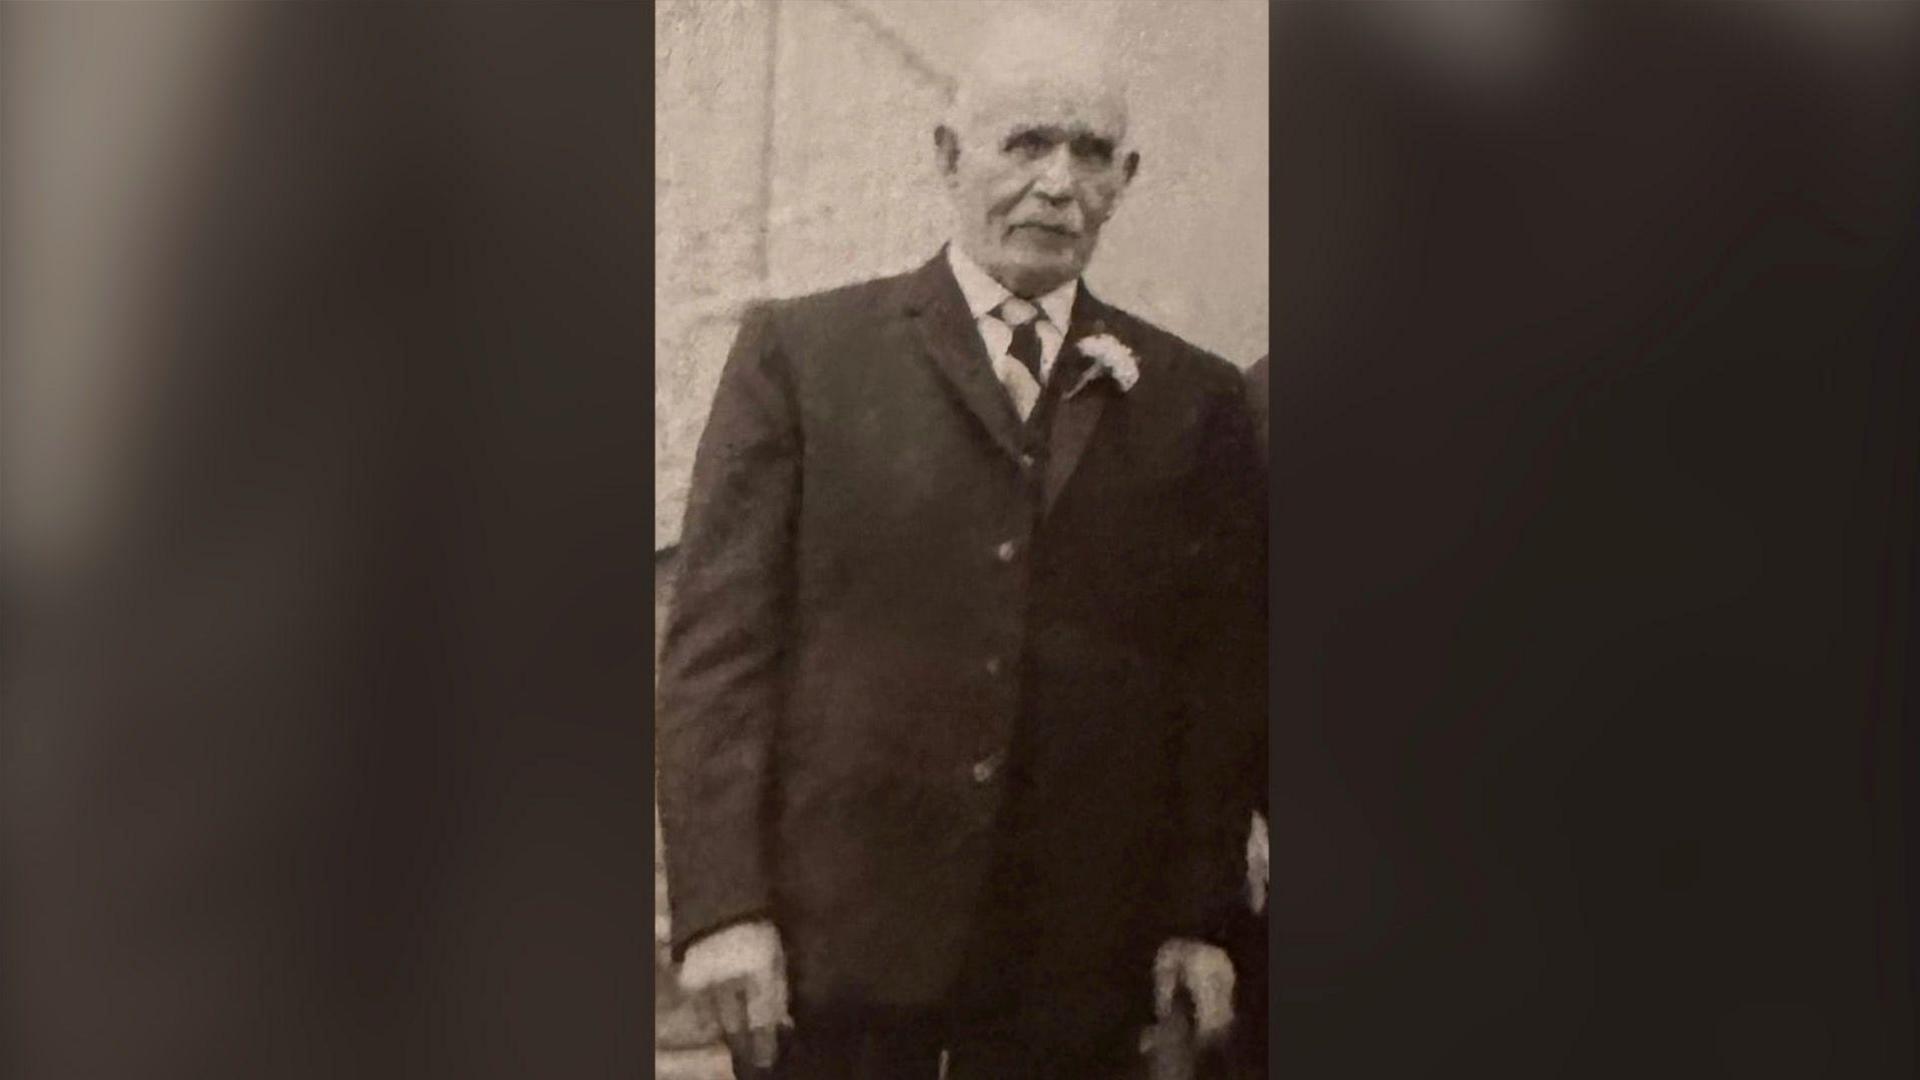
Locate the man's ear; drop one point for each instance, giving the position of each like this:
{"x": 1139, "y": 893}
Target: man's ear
{"x": 946, "y": 149}
{"x": 1132, "y": 165}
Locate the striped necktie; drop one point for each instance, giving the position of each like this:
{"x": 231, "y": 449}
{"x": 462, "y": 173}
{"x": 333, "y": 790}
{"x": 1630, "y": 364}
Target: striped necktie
{"x": 1024, "y": 319}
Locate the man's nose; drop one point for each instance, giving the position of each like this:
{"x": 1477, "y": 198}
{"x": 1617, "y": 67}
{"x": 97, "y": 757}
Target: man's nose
{"x": 1055, "y": 182}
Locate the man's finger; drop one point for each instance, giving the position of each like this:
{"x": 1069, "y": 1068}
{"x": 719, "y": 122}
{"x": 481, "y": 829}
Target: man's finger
{"x": 767, "y": 1002}
{"x": 730, "y": 1005}
{"x": 1212, "y": 1009}
{"x": 703, "y": 1008}
{"x": 1211, "y": 987}
{"x": 766, "y": 1046}
{"x": 1165, "y": 977}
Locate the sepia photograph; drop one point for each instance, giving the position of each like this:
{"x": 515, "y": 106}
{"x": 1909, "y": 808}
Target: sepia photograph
{"x": 1190, "y": 540}
{"x": 961, "y": 540}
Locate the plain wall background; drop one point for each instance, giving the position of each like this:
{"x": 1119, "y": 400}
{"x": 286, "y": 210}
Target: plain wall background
{"x": 794, "y": 152}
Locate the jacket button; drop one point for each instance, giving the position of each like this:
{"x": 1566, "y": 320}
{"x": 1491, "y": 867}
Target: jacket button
{"x": 1027, "y": 461}
{"x": 1006, "y": 551}
{"x": 983, "y": 770}
{"x": 993, "y": 665}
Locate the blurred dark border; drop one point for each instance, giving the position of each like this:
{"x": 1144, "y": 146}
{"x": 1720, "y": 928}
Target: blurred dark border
{"x": 327, "y": 743}
{"x": 1593, "y": 406}
{"x": 323, "y": 739}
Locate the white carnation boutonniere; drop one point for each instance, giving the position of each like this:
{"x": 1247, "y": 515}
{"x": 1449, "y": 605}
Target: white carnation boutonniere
{"x": 1111, "y": 360}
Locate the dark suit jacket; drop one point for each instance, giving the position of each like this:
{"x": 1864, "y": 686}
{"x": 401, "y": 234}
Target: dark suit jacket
{"x": 907, "y": 644}
{"x": 1257, "y": 385}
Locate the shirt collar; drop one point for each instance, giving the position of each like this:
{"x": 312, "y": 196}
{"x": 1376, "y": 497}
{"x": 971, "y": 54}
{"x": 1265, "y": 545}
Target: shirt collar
{"x": 984, "y": 294}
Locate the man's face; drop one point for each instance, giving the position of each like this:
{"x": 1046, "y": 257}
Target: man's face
{"x": 1035, "y": 169}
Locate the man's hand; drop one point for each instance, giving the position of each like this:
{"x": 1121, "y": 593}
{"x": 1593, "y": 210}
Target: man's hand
{"x": 1206, "y": 974}
{"x": 739, "y": 976}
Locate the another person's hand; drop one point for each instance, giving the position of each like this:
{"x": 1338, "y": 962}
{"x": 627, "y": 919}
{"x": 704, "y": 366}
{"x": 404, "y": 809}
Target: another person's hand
{"x": 1258, "y": 873}
{"x": 739, "y": 976}
{"x": 1206, "y": 974}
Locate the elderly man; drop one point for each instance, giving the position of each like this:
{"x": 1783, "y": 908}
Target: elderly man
{"x": 967, "y": 647}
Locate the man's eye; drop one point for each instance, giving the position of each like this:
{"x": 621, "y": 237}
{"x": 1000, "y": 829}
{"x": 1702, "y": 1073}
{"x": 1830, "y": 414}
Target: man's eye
{"x": 1028, "y": 144}
{"x": 1095, "y": 150}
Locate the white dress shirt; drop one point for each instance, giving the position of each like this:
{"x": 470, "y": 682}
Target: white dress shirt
{"x": 983, "y": 295}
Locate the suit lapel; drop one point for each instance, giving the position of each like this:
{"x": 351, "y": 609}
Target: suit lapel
{"x": 945, "y": 332}
{"x": 1079, "y": 415}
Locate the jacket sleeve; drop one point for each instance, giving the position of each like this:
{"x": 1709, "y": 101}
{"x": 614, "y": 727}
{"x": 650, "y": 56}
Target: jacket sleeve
{"x": 1223, "y": 626}
{"x": 725, "y": 644}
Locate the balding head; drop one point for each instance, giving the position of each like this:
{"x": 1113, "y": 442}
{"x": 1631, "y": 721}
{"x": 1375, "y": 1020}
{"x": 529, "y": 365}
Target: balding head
{"x": 1034, "y": 152}
{"x": 1026, "y": 55}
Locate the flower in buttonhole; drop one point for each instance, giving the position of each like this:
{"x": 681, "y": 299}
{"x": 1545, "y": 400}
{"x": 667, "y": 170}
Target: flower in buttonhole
{"x": 1111, "y": 359}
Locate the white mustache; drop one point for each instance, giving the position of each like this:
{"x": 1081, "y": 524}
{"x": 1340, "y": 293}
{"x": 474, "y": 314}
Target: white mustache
{"x": 1052, "y": 226}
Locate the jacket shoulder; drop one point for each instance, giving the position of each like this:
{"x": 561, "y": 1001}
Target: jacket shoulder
{"x": 807, "y": 336}
{"x": 839, "y": 306}
{"x": 1185, "y": 361}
